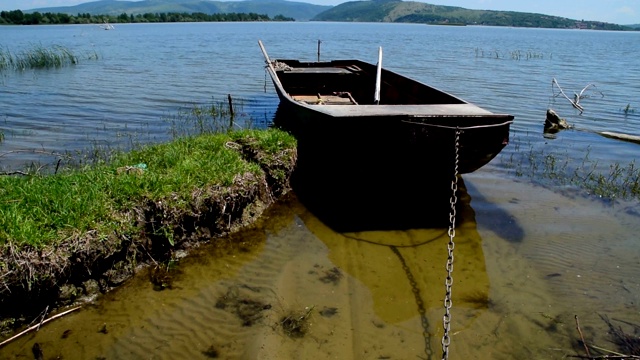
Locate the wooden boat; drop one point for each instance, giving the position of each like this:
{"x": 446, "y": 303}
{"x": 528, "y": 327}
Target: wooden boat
{"x": 352, "y": 102}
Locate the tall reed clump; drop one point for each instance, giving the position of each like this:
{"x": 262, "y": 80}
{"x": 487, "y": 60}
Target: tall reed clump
{"x": 40, "y": 57}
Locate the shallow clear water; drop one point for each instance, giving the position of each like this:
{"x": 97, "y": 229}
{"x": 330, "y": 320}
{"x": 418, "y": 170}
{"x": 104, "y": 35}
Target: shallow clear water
{"x": 527, "y": 260}
{"x": 528, "y": 257}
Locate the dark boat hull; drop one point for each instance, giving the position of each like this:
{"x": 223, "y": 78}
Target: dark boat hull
{"x": 420, "y": 127}
{"x": 364, "y": 164}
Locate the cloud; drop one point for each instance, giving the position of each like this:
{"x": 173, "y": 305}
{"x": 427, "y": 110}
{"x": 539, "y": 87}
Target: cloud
{"x": 626, "y": 10}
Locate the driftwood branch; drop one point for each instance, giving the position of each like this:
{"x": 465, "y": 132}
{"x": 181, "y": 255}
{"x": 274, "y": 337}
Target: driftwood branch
{"x": 35, "y": 327}
{"x": 586, "y": 347}
{"x": 575, "y": 102}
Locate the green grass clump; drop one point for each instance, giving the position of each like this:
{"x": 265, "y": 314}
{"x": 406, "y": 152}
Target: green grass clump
{"x": 41, "y": 209}
{"x": 40, "y": 57}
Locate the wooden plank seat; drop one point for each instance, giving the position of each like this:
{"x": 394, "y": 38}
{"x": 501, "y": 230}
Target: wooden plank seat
{"x": 343, "y": 98}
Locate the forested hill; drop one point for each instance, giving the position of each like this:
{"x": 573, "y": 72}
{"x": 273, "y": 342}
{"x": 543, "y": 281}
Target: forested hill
{"x": 355, "y": 11}
{"x": 293, "y": 9}
{"x": 418, "y": 12}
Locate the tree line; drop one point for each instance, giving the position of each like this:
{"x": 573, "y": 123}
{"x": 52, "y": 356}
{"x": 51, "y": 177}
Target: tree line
{"x": 17, "y": 17}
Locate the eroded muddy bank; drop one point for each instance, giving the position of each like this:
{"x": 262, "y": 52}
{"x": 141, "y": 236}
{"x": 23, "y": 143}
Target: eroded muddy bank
{"x": 79, "y": 268}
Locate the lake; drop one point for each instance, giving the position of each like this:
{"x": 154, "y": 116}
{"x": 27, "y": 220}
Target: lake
{"x": 532, "y": 252}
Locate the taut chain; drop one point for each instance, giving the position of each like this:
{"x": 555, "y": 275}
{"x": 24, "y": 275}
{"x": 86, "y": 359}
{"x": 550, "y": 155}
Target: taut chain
{"x": 446, "y": 319}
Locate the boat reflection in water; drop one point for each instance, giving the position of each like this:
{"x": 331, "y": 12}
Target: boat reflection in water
{"x": 384, "y": 222}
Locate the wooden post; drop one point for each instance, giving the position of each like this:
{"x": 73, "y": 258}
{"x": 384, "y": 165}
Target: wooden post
{"x": 319, "y": 41}
{"x": 231, "y": 113}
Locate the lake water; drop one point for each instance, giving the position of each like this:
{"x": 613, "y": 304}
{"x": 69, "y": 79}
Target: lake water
{"x": 531, "y": 253}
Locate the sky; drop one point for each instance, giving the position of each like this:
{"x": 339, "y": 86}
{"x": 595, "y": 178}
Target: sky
{"x": 613, "y": 11}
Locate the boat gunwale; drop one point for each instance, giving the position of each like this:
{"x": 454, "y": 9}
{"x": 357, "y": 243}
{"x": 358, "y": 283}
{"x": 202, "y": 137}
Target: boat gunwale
{"x": 464, "y": 109}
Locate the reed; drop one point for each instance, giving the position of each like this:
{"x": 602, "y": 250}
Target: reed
{"x": 196, "y": 119}
{"x": 627, "y": 110}
{"x": 40, "y": 57}
{"x": 513, "y": 54}
{"x": 617, "y": 180}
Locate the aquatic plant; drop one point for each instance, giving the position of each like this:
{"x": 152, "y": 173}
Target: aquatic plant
{"x": 295, "y": 324}
{"x": 40, "y": 57}
{"x": 539, "y": 164}
{"x": 626, "y": 340}
{"x": 628, "y": 110}
{"x": 199, "y": 119}
{"x": 513, "y": 54}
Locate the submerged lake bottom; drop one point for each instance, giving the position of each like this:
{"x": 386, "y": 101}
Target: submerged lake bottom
{"x": 528, "y": 260}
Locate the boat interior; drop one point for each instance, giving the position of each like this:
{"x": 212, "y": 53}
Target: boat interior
{"x": 353, "y": 82}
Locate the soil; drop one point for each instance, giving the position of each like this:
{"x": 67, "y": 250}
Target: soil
{"x": 80, "y": 268}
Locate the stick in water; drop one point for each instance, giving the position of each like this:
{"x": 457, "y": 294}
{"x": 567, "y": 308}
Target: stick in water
{"x": 38, "y": 325}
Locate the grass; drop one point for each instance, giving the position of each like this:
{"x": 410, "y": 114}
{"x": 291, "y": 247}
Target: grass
{"x": 46, "y": 209}
{"x": 613, "y": 181}
{"x": 40, "y": 57}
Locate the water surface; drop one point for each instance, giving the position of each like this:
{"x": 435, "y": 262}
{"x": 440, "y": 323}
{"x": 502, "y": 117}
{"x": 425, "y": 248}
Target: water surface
{"x": 528, "y": 258}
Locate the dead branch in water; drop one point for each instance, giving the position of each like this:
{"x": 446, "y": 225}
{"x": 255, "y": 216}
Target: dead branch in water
{"x": 584, "y": 343}
{"x": 34, "y": 327}
{"x": 627, "y": 343}
{"x": 575, "y": 102}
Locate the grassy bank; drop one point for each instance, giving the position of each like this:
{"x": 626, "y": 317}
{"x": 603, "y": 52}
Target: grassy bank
{"x": 86, "y": 230}
{"x": 43, "y": 210}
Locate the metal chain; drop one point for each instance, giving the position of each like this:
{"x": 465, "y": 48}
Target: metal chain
{"x": 446, "y": 319}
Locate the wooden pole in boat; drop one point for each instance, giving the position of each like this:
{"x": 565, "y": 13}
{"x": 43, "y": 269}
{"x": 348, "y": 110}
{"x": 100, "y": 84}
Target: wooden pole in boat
{"x": 319, "y": 41}
{"x": 378, "y": 75}
{"x": 274, "y": 76}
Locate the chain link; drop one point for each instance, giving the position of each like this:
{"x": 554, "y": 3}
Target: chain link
{"x": 446, "y": 319}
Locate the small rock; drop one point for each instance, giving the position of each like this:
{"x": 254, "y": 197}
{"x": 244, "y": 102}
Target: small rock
{"x": 91, "y": 287}
{"x": 68, "y": 293}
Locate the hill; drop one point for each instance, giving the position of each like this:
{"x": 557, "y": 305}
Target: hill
{"x": 296, "y": 10}
{"x": 353, "y": 11}
{"x": 418, "y": 12}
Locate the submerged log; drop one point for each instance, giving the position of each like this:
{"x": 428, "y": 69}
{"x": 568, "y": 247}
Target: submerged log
{"x": 619, "y": 136}
{"x": 553, "y": 123}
